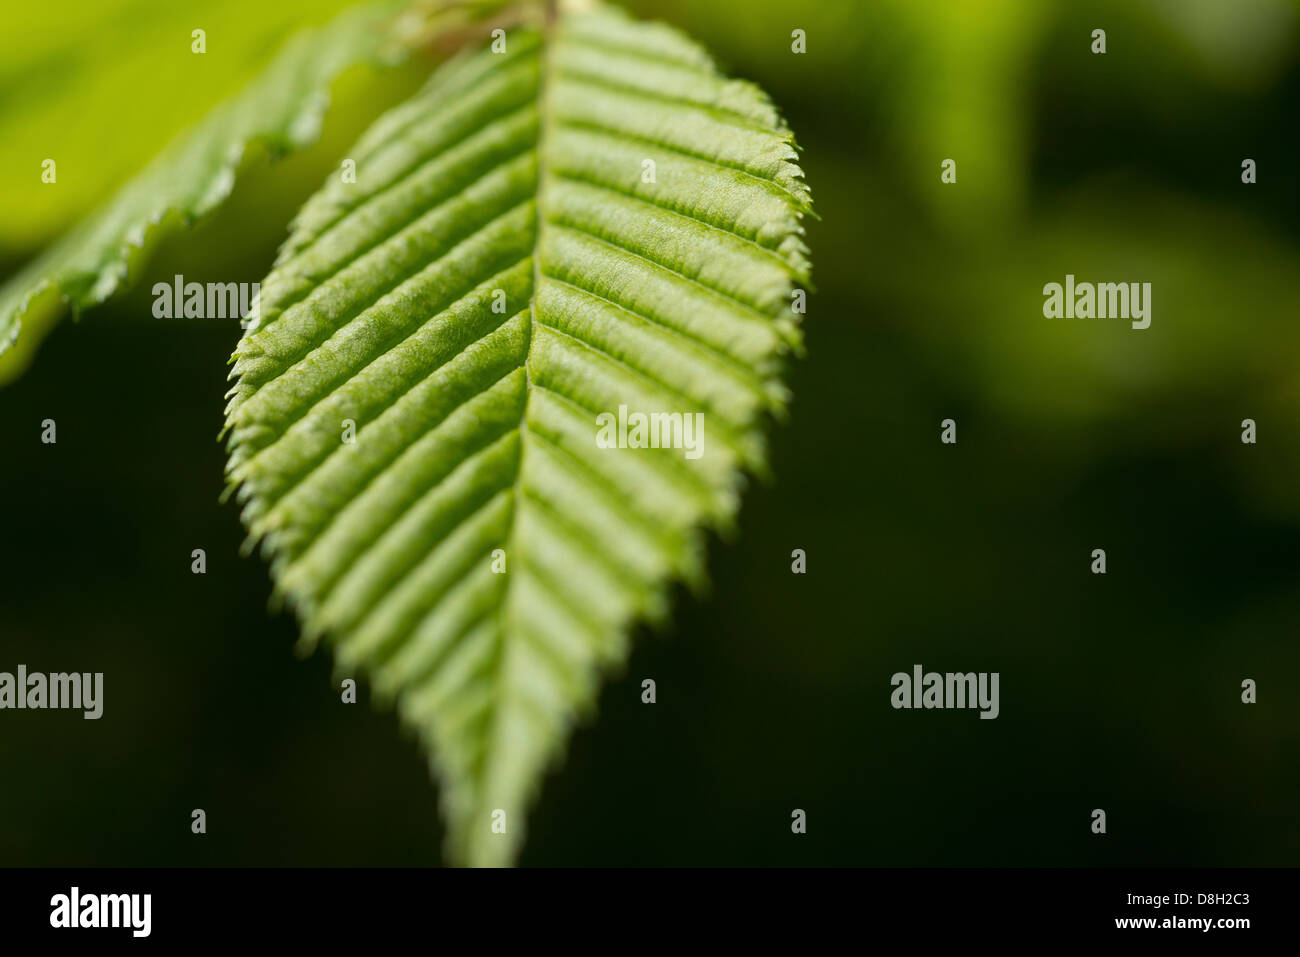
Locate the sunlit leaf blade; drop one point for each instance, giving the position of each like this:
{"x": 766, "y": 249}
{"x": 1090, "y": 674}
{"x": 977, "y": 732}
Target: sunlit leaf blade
{"x": 518, "y": 179}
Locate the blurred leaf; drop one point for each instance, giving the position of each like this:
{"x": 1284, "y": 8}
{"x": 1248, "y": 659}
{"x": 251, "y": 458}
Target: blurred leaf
{"x": 101, "y": 86}
{"x": 1245, "y": 41}
{"x": 281, "y": 111}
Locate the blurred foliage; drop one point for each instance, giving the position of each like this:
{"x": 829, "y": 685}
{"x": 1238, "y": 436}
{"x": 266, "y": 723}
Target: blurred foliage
{"x": 101, "y": 86}
{"x": 1123, "y": 166}
{"x": 1121, "y": 692}
{"x": 279, "y": 113}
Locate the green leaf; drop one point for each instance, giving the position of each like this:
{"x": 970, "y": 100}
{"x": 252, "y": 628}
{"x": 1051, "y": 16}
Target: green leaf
{"x": 518, "y": 179}
{"x": 67, "y": 67}
{"x": 281, "y": 111}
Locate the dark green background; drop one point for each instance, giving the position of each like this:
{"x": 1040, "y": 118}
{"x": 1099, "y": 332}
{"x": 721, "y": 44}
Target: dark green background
{"x": 1120, "y": 692}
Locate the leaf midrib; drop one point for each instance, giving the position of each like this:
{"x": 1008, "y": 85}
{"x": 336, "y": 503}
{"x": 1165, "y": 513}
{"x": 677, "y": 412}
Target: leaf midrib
{"x": 545, "y": 31}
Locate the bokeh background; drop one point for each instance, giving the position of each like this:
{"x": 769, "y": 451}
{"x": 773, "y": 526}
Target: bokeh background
{"x": 1119, "y": 691}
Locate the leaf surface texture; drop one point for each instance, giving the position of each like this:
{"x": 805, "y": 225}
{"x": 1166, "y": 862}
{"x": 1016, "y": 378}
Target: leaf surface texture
{"x": 504, "y": 270}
